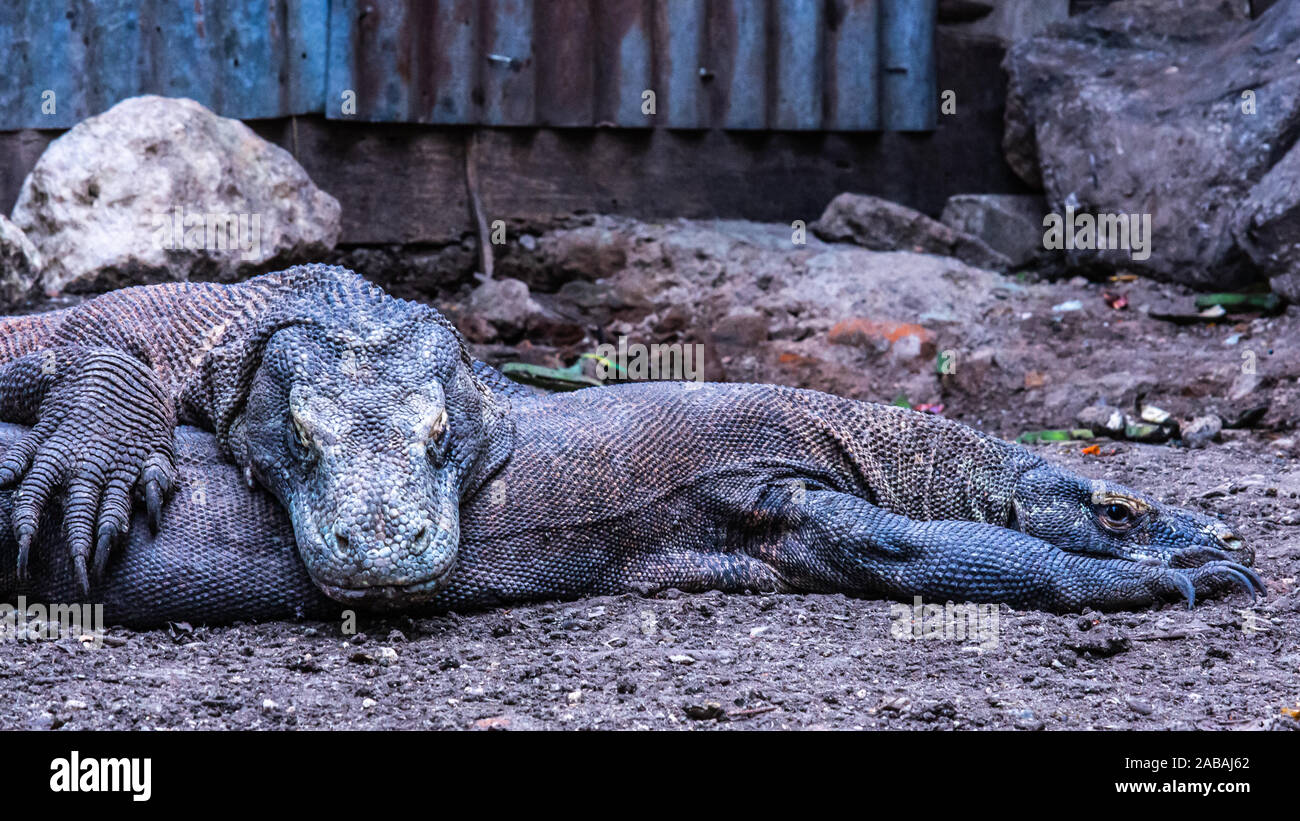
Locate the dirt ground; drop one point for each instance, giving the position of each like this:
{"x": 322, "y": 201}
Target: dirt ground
{"x": 715, "y": 661}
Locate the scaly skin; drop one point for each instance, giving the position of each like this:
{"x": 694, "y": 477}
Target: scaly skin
{"x": 362, "y": 414}
{"x": 648, "y": 486}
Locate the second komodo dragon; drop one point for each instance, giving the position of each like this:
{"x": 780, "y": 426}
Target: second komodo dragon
{"x": 364, "y": 415}
{"x": 641, "y": 487}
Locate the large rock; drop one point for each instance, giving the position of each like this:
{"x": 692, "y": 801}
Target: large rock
{"x": 1268, "y": 225}
{"x": 1139, "y": 107}
{"x": 503, "y": 305}
{"x": 20, "y": 265}
{"x": 1011, "y": 224}
{"x": 881, "y": 225}
{"x": 160, "y": 189}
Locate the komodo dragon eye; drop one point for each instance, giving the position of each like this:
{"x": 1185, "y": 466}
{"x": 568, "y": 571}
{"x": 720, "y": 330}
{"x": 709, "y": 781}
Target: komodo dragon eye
{"x": 1117, "y": 516}
{"x": 435, "y": 438}
{"x": 301, "y": 438}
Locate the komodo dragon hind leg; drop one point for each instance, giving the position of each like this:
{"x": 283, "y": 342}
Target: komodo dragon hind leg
{"x": 837, "y": 542}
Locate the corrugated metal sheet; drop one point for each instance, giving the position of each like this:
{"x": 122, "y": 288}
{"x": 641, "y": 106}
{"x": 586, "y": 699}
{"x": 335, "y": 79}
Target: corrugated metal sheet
{"x": 840, "y": 65}
{"x": 242, "y": 58}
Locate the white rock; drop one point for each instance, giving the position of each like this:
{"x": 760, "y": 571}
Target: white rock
{"x": 20, "y": 265}
{"x": 147, "y": 192}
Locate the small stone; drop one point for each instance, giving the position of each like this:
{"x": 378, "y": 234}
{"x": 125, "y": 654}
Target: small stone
{"x": 367, "y": 703}
{"x": 709, "y": 711}
{"x": 1139, "y": 706}
{"x": 681, "y": 658}
{"x": 1154, "y": 415}
{"x": 1102, "y": 419}
{"x": 1026, "y": 720}
{"x": 1202, "y": 430}
{"x": 269, "y": 705}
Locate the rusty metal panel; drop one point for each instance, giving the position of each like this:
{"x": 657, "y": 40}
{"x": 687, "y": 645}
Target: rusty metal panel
{"x": 451, "y": 66}
{"x": 797, "y": 63}
{"x": 737, "y": 64}
{"x": 909, "y": 99}
{"x": 734, "y": 64}
{"x": 508, "y": 67}
{"x": 369, "y": 61}
{"x": 623, "y": 63}
{"x": 679, "y": 43}
{"x": 566, "y": 79}
{"x": 852, "y": 88}
{"x": 242, "y": 58}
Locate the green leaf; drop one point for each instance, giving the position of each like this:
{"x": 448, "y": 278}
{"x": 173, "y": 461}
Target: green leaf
{"x": 552, "y": 379}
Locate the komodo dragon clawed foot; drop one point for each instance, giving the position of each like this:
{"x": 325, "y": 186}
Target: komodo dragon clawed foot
{"x": 102, "y": 427}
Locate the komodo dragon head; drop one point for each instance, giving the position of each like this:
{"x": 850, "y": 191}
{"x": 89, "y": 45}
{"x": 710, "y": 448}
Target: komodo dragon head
{"x": 369, "y": 436}
{"x": 1103, "y": 518}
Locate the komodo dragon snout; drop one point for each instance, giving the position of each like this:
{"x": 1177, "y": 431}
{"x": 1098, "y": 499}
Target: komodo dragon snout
{"x": 368, "y": 442}
{"x": 1101, "y": 518}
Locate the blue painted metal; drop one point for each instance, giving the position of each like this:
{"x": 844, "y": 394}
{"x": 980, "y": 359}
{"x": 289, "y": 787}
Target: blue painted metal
{"x": 909, "y": 99}
{"x": 852, "y": 65}
{"x": 249, "y": 59}
{"x": 680, "y": 28}
{"x": 798, "y": 61}
{"x": 738, "y": 40}
{"x": 840, "y": 65}
{"x": 508, "y": 66}
{"x": 623, "y": 38}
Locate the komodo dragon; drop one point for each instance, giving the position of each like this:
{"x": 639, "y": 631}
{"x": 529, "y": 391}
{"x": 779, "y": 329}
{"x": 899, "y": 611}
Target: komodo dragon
{"x": 364, "y": 415}
{"x": 645, "y": 486}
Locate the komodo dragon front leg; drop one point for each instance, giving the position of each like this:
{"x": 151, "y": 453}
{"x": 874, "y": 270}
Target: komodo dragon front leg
{"x": 835, "y": 542}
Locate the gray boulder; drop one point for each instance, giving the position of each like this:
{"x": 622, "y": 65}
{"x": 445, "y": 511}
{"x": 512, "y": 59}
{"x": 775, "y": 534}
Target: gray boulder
{"x": 881, "y": 225}
{"x": 1268, "y": 225}
{"x": 20, "y": 265}
{"x": 158, "y": 189}
{"x": 1172, "y": 108}
{"x": 1011, "y": 224}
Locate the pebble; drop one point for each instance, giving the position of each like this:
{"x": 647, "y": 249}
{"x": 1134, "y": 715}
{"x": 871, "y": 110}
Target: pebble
{"x": 710, "y": 710}
{"x": 1202, "y": 430}
{"x": 1139, "y": 706}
